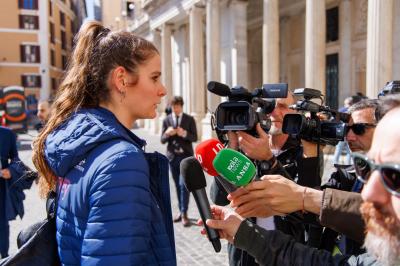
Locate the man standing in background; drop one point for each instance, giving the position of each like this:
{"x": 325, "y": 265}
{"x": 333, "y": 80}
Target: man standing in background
{"x": 179, "y": 131}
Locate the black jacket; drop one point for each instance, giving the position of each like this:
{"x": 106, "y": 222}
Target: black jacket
{"x": 178, "y": 145}
{"x": 343, "y": 179}
{"x": 276, "y": 248}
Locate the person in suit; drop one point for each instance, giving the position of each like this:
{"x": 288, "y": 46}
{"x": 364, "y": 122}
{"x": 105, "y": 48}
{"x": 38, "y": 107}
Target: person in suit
{"x": 179, "y": 131}
{"x": 11, "y": 186}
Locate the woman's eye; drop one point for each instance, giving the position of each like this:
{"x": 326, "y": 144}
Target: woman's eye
{"x": 155, "y": 79}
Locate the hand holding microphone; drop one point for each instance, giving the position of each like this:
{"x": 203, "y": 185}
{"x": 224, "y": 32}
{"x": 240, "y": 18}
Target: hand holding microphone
{"x": 195, "y": 182}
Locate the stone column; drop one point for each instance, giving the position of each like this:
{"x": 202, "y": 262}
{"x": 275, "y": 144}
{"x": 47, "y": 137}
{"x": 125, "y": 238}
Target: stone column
{"x": 154, "y": 125}
{"x": 270, "y": 41}
{"x": 345, "y": 69}
{"x": 166, "y": 69}
{"x": 238, "y": 23}
{"x": 166, "y": 60}
{"x": 315, "y": 45}
{"x": 213, "y": 62}
{"x": 196, "y": 56}
{"x": 379, "y": 45}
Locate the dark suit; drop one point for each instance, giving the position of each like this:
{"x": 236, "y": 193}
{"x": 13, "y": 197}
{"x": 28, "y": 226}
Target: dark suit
{"x": 179, "y": 148}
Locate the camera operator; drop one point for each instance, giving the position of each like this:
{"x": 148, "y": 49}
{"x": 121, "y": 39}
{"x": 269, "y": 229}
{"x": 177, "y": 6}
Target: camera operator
{"x": 280, "y": 195}
{"x": 380, "y": 209}
{"x": 276, "y": 153}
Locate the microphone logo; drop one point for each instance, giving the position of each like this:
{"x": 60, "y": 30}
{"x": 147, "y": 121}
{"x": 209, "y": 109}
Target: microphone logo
{"x": 233, "y": 164}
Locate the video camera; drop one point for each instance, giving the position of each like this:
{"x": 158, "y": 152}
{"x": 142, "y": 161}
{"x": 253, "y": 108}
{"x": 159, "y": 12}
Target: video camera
{"x": 312, "y": 128}
{"x": 245, "y": 109}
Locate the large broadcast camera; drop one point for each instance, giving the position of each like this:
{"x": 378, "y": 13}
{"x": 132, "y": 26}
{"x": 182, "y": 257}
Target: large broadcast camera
{"x": 245, "y": 109}
{"x": 312, "y": 128}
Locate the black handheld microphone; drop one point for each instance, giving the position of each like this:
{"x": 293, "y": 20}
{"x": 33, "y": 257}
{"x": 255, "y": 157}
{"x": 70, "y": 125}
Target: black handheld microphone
{"x": 195, "y": 182}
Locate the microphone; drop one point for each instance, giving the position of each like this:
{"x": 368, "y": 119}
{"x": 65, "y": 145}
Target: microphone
{"x": 195, "y": 182}
{"x": 218, "y": 88}
{"x": 205, "y": 153}
{"x": 234, "y": 167}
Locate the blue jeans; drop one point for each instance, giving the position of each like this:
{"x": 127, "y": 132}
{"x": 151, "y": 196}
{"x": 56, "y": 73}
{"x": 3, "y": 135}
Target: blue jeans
{"x": 181, "y": 191}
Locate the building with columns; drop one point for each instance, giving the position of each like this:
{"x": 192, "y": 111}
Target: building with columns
{"x": 337, "y": 46}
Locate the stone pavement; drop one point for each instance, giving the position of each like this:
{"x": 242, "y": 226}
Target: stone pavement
{"x": 191, "y": 247}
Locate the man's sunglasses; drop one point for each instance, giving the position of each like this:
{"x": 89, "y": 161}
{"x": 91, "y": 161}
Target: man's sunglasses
{"x": 390, "y": 173}
{"x": 359, "y": 128}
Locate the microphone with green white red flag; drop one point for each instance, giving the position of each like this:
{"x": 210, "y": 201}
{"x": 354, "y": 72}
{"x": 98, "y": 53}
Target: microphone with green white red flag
{"x": 234, "y": 167}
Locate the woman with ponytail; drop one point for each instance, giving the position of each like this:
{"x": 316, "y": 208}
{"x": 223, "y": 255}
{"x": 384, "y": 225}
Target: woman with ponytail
{"x": 114, "y": 206}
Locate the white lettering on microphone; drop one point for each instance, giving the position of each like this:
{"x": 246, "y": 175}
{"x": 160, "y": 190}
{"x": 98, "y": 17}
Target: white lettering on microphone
{"x": 243, "y": 171}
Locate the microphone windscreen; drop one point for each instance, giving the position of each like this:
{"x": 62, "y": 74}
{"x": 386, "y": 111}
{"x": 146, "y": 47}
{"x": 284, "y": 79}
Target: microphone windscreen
{"x": 218, "y": 88}
{"x": 192, "y": 174}
{"x": 234, "y": 167}
{"x": 205, "y": 153}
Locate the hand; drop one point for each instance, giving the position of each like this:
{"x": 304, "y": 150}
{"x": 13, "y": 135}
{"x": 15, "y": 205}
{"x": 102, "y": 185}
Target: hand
{"x": 5, "y": 173}
{"x": 273, "y": 195}
{"x": 225, "y": 220}
{"x": 181, "y": 132}
{"x": 170, "y": 131}
{"x": 255, "y": 148}
{"x": 310, "y": 149}
{"x": 233, "y": 140}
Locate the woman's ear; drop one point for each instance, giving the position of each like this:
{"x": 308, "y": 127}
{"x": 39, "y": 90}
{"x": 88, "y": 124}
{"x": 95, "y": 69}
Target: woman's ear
{"x": 118, "y": 76}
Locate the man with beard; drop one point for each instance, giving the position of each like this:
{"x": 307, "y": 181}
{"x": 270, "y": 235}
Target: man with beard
{"x": 379, "y": 170}
{"x": 276, "y": 153}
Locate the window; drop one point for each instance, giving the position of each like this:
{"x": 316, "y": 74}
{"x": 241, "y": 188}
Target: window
{"x": 31, "y": 81}
{"x": 332, "y": 24}
{"x": 52, "y": 58}
{"x": 30, "y": 53}
{"x": 53, "y": 84}
{"x": 130, "y": 9}
{"x": 62, "y": 18}
{"x": 64, "y": 62}
{"x": 72, "y": 24}
{"x": 63, "y": 40}
{"x": 28, "y": 4}
{"x": 52, "y": 37}
{"x": 28, "y": 22}
{"x": 71, "y": 5}
{"x": 50, "y": 8}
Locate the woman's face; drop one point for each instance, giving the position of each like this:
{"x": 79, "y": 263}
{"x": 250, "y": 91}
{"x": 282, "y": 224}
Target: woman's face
{"x": 143, "y": 98}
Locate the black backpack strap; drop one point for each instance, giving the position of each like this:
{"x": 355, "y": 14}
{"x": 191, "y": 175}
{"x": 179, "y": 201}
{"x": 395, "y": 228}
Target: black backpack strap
{"x": 52, "y": 201}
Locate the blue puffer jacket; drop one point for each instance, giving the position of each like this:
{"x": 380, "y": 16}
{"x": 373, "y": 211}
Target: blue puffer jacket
{"x": 114, "y": 206}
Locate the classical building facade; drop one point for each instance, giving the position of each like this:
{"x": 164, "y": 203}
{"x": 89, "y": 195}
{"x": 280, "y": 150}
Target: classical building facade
{"x": 37, "y": 40}
{"x": 337, "y": 46}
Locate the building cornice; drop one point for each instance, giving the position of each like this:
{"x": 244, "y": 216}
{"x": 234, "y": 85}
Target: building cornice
{"x": 25, "y": 31}
{"x": 18, "y": 64}
{"x": 63, "y": 7}
{"x": 172, "y": 12}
